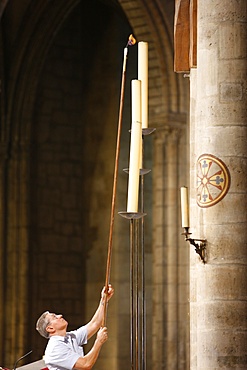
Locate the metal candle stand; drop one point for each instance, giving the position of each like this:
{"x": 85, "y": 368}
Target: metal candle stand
{"x": 137, "y": 275}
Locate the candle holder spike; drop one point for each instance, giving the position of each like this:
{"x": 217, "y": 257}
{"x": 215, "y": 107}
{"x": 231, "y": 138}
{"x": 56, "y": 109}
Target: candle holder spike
{"x": 143, "y": 171}
{"x": 200, "y": 248}
{"x": 148, "y": 131}
{"x": 132, "y": 215}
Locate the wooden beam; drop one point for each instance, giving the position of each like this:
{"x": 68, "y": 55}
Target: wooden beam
{"x": 185, "y": 35}
{"x": 182, "y": 36}
{"x": 193, "y": 33}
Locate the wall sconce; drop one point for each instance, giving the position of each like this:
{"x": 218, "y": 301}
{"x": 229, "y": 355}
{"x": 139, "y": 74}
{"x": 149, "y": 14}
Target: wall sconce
{"x": 199, "y": 244}
{"x": 199, "y": 248}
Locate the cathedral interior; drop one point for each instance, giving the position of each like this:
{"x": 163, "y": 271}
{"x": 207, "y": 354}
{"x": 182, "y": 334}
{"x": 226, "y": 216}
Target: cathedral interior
{"x": 60, "y": 72}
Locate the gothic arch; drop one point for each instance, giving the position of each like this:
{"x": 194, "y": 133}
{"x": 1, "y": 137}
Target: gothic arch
{"x": 150, "y": 23}
{"x": 30, "y": 53}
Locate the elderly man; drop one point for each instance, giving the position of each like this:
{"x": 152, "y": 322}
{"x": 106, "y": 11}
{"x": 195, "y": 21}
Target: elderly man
{"x": 64, "y": 349}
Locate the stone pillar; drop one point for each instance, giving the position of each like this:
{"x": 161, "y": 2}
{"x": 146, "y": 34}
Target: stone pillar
{"x": 3, "y": 251}
{"x": 15, "y": 252}
{"x": 170, "y": 282}
{"x": 218, "y": 131}
{"x": 3, "y": 163}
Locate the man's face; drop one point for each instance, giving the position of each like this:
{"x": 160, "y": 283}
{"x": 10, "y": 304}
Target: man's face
{"x": 56, "y": 323}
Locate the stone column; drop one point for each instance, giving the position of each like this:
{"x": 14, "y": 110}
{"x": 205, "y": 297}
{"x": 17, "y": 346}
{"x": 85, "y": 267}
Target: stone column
{"x": 170, "y": 281}
{"x": 3, "y": 251}
{"x": 218, "y": 131}
{"x": 3, "y": 166}
{"x": 17, "y": 254}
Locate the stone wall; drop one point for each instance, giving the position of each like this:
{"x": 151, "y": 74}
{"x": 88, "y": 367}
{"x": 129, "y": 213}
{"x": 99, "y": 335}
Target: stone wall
{"x": 218, "y": 129}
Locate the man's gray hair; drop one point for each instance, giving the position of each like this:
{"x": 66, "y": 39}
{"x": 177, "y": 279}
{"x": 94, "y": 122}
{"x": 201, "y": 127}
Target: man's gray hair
{"x": 42, "y": 324}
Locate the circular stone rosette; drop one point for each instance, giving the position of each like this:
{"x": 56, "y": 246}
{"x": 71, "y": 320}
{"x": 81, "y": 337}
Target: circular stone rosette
{"x": 213, "y": 180}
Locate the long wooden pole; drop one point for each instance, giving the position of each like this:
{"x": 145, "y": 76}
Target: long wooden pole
{"x": 131, "y": 41}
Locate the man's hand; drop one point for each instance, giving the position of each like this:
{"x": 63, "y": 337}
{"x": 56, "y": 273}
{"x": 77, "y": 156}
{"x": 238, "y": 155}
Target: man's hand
{"x": 108, "y": 292}
{"x": 96, "y": 322}
{"x": 88, "y": 361}
{"x": 102, "y": 335}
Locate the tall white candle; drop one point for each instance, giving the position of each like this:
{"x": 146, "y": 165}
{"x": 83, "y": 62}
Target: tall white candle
{"x": 140, "y": 154}
{"x": 134, "y": 160}
{"x": 185, "y": 207}
{"x": 143, "y": 77}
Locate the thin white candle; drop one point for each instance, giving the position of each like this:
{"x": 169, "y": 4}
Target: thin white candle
{"x": 143, "y": 77}
{"x": 185, "y": 207}
{"x": 136, "y": 131}
{"x": 125, "y": 59}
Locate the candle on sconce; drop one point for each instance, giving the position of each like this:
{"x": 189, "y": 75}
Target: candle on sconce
{"x": 185, "y": 207}
{"x": 135, "y": 140}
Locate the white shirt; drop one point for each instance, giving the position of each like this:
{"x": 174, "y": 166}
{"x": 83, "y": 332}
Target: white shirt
{"x": 62, "y": 352}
